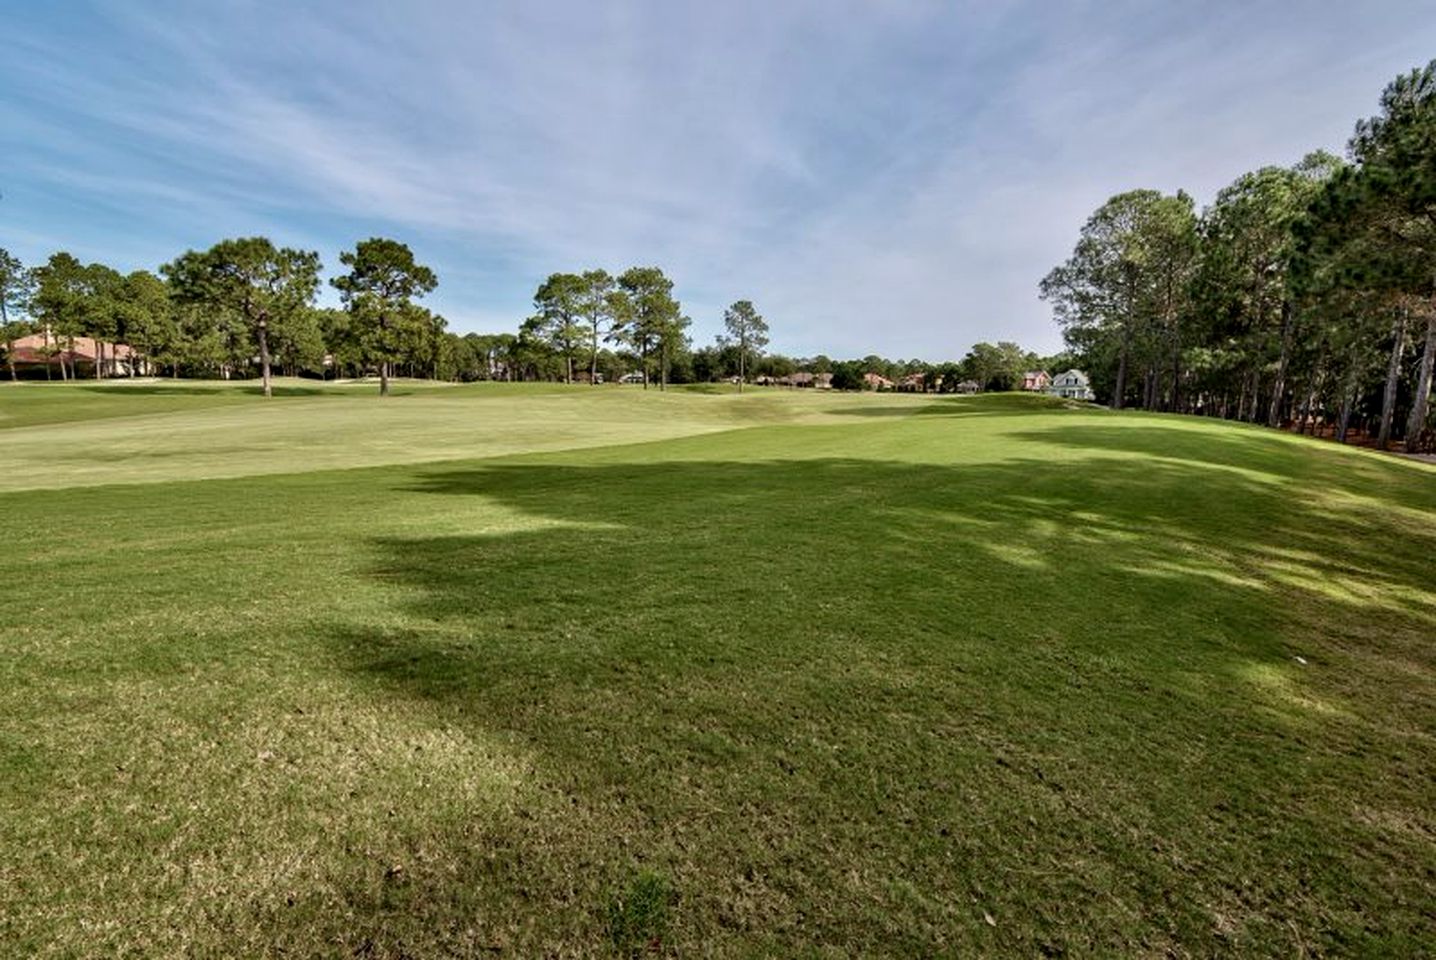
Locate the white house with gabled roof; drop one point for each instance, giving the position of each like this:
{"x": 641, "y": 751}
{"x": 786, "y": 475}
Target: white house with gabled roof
{"x": 1072, "y": 385}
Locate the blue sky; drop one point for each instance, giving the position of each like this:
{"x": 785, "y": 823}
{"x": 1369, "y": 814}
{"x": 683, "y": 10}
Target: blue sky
{"x": 885, "y": 176}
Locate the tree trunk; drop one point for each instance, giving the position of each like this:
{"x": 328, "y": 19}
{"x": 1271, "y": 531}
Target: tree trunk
{"x": 1121, "y": 387}
{"x": 1348, "y": 391}
{"x": 1278, "y": 387}
{"x": 1393, "y": 379}
{"x": 263, "y": 333}
{"x": 1314, "y": 402}
{"x": 742, "y": 367}
{"x": 1304, "y": 424}
{"x": 593, "y": 356}
{"x": 1420, "y": 403}
{"x": 9, "y": 340}
{"x": 384, "y": 362}
{"x": 1176, "y": 378}
{"x": 99, "y": 358}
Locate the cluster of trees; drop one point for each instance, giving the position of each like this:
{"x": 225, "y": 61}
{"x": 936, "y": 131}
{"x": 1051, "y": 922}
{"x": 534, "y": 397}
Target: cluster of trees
{"x": 544, "y": 349}
{"x": 1302, "y": 295}
{"x": 577, "y": 316}
{"x": 76, "y": 299}
{"x": 631, "y": 324}
{"x": 246, "y": 307}
{"x": 574, "y": 312}
{"x": 997, "y": 366}
{"x": 240, "y": 304}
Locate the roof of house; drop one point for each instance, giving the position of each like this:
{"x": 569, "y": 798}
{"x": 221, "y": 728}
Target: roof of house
{"x": 34, "y": 347}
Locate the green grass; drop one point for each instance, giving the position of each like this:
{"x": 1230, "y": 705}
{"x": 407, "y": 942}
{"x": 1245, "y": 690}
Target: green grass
{"x": 125, "y": 433}
{"x": 582, "y": 671}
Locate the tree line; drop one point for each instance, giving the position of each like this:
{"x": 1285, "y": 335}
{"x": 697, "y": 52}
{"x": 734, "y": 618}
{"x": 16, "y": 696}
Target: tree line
{"x": 630, "y": 324}
{"x": 1303, "y": 296}
{"x": 593, "y": 325}
{"x": 243, "y": 304}
{"x": 246, "y": 307}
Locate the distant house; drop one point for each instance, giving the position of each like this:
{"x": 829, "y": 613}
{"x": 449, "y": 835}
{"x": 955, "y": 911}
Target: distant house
{"x": 913, "y": 383}
{"x": 1036, "y": 380}
{"x": 968, "y": 386}
{"x": 815, "y": 381}
{"x": 1072, "y": 385}
{"x": 876, "y": 381}
{"x": 632, "y": 377}
{"x": 41, "y": 350}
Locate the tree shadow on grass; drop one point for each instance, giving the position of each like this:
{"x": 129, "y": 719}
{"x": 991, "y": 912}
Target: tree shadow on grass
{"x": 1198, "y": 441}
{"x": 1327, "y": 505}
{"x": 856, "y": 705}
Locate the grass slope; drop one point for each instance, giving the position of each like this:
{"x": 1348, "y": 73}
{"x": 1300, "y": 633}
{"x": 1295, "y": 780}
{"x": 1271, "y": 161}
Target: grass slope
{"x": 868, "y": 675}
{"x": 97, "y": 433}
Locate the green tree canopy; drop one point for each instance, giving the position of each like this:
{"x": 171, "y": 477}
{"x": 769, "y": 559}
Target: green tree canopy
{"x": 16, "y": 288}
{"x": 378, "y": 290}
{"x": 559, "y": 305}
{"x": 249, "y": 278}
{"x": 651, "y": 320}
{"x": 747, "y": 332}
